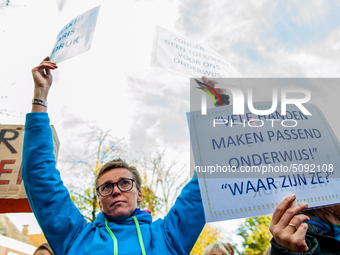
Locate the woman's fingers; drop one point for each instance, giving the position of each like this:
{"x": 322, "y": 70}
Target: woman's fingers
{"x": 42, "y": 73}
{"x": 46, "y": 59}
{"x": 300, "y": 233}
{"x": 291, "y": 213}
{"x": 287, "y": 225}
{"x": 285, "y": 213}
{"x": 45, "y": 66}
{"x": 297, "y": 220}
{"x": 212, "y": 83}
{"x": 209, "y": 82}
{"x": 295, "y": 241}
{"x": 281, "y": 208}
{"x": 48, "y": 63}
{"x": 48, "y": 71}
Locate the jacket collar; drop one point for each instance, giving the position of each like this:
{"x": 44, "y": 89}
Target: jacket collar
{"x": 326, "y": 228}
{"x": 142, "y": 216}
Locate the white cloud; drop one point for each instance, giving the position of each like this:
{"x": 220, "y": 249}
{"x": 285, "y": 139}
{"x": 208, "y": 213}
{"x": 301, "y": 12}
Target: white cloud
{"x": 226, "y": 25}
{"x": 307, "y": 10}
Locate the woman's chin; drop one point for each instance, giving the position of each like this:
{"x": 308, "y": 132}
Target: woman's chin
{"x": 120, "y": 215}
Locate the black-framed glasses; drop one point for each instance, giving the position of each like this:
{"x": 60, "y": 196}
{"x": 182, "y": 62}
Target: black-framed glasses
{"x": 123, "y": 185}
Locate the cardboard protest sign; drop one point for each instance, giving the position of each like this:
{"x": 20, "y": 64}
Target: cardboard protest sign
{"x": 178, "y": 54}
{"x": 249, "y": 163}
{"x": 76, "y": 37}
{"x": 12, "y": 191}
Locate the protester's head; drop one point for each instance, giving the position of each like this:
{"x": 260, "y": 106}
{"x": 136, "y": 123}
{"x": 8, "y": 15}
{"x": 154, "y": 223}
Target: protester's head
{"x": 43, "y": 249}
{"x": 330, "y": 214}
{"x": 118, "y": 201}
{"x": 215, "y": 249}
{"x": 229, "y": 248}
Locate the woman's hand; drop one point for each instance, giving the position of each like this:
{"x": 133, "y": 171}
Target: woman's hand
{"x": 219, "y": 93}
{"x": 42, "y": 78}
{"x": 42, "y": 82}
{"x": 287, "y": 227}
{"x": 212, "y": 83}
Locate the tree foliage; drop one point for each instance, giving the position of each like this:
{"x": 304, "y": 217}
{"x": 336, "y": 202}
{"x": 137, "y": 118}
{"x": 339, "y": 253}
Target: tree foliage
{"x": 86, "y": 202}
{"x": 104, "y": 148}
{"x": 160, "y": 181}
{"x": 256, "y": 235}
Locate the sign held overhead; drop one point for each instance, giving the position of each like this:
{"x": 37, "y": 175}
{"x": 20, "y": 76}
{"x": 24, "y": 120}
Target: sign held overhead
{"x": 76, "y": 37}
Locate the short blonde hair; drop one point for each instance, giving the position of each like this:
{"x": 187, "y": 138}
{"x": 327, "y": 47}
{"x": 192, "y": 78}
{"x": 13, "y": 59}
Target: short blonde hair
{"x": 229, "y": 248}
{"x": 44, "y": 246}
{"x": 217, "y": 246}
{"x": 119, "y": 163}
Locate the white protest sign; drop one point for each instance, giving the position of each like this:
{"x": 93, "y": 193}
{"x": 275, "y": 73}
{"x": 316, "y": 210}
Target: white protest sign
{"x": 12, "y": 190}
{"x": 178, "y": 54}
{"x": 76, "y": 37}
{"x": 247, "y": 164}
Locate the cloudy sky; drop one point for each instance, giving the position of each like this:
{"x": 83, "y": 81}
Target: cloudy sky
{"x": 113, "y": 87}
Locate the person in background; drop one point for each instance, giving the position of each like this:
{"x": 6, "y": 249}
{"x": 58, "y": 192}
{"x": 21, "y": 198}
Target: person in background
{"x": 267, "y": 251}
{"x": 312, "y": 232}
{"x": 229, "y": 248}
{"x": 217, "y": 248}
{"x": 43, "y": 249}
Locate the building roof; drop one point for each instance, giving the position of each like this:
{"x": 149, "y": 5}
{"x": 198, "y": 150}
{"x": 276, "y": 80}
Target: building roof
{"x": 37, "y": 239}
{"x": 8, "y": 229}
{"x": 10, "y": 245}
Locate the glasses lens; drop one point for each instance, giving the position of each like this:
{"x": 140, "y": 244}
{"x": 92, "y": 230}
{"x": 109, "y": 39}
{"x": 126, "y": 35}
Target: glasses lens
{"x": 105, "y": 189}
{"x": 125, "y": 184}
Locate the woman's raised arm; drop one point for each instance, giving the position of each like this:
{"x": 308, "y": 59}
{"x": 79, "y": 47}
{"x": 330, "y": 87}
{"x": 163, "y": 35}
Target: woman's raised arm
{"x": 42, "y": 83}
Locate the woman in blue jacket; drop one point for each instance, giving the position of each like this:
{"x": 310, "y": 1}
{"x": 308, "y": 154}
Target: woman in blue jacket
{"x": 121, "y": 228}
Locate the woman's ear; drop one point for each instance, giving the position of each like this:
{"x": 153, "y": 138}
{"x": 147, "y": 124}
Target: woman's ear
{"x": 100, "y": 205}
{"x": 139, "y": 196}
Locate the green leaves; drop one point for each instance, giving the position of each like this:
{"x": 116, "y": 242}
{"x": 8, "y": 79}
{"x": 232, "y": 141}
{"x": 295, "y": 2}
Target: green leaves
{"x": 256, "y": 235}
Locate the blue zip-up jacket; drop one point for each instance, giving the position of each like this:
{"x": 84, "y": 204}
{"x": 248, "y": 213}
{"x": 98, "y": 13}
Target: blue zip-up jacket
{"x": 64, "y": 226}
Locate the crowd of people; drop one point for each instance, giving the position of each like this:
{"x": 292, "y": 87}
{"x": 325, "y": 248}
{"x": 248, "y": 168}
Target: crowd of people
{"x": 121, "y": 227}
